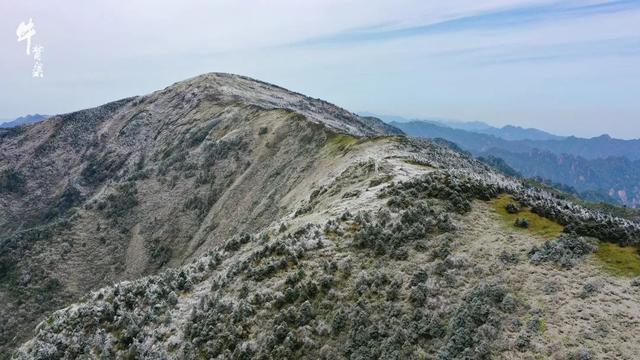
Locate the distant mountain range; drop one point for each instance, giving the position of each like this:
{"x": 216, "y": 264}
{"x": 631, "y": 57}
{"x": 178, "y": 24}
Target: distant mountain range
{"x": 612, "y": 179}
{"x": 508, "y": 132}
{"x": 23, "y": 120}
{"x": 600, "y": 169}
{"x": 594, "y": 148}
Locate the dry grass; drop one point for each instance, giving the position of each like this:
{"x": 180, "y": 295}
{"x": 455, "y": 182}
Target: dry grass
{"x": 619, "y": 260}
{"x": 538, "y": 225}
{"x": 341, "y": 142}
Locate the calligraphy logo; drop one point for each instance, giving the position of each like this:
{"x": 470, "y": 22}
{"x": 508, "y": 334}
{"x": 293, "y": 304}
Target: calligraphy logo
{"x": 26, "y": 31}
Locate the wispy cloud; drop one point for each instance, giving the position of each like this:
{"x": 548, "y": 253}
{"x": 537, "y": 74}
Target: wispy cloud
{"x": 496, "y": 19}
{"x": 495, "y": 55}
{"x": 561, "y": 64}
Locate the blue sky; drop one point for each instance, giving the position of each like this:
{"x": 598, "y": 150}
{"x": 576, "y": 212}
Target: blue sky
{"x": 569, "y": 67}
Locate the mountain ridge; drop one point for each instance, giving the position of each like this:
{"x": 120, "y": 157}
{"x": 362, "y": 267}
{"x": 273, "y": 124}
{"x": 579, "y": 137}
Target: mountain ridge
{"x": 590, "y": 148}
{"x": 506, "y": 132}
{"x": 225, "y": 217}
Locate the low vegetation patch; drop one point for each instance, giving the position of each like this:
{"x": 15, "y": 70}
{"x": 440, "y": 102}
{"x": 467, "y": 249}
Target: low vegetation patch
{"x": 482, "y": 309}
{"x": 619, "y": 260}
{"x": 505, "y": 205}
{"x": 564, "y": 251}
{"x": 196, "y": 137}
{"x": 455, "y": 193}
{"x": 386, "y": 236}
{"x": 202, "y": 204}
{"x": 380, "y": 180}
{"x": 118, "y": 203}
{"x": 99, "y": 169}
{"x": 69, "y": 198}
{"x": 12, "y": 181}
{"x": 341, "y": 142}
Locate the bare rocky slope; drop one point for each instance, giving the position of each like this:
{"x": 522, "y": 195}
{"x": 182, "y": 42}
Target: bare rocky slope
{"x": 223, "y": 217}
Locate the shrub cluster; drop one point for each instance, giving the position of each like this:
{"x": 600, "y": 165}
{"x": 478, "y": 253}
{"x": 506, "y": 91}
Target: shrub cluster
{"x": 69, "y": 198}
{"x": 99, "y": 169}
{"x": 220, "y": 150}
{"x": 565, "y": 251}
{"x": 12, "y": 181}
{"x": 276, "y": 301}
{"x": 535, "y": 326}
{"x": 512, "y": 208}
{"x": 387, "y": 236}
{"x": 458, "y": 191}
{"x": 522, "y": 223}
{"x": 118, "y": 203}
{"x": 114, "y": 312}
{"x": 202, "y": 204}
{"x": 476, "y": 323}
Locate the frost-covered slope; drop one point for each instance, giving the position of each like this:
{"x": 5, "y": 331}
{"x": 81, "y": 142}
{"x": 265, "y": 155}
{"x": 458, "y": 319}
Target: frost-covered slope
{"x": 398, "y": 256}
{"x": 211, "y": 220}
{"x": 125, "y": 189}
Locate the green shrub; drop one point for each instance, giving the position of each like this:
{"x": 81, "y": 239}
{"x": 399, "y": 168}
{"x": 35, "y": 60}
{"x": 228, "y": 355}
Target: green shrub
{"x": 386, "y": 237}
{"x": 481, "y": 308}
{"x": 201, "y": 205}
{"x": 512, "y": 208}
{"x": 118, "y": 204}
{"x": 205, "y": 177}
{"x": 176, "y": 160}
{"x": 197, "y": 136}
{"x": 564, "y": 251}
{"x": 508, "y": 258}
{"x": 221, "y": 150}
{"x": 100, "y": 169}
{"x": 522, "y": 223}
{"x": 160, "y": 254}
{"x": 12, "y": 181}
{"x": 69, "y": 198}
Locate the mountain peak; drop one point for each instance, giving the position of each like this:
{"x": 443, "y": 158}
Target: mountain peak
{"x": 231, "y": 87}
